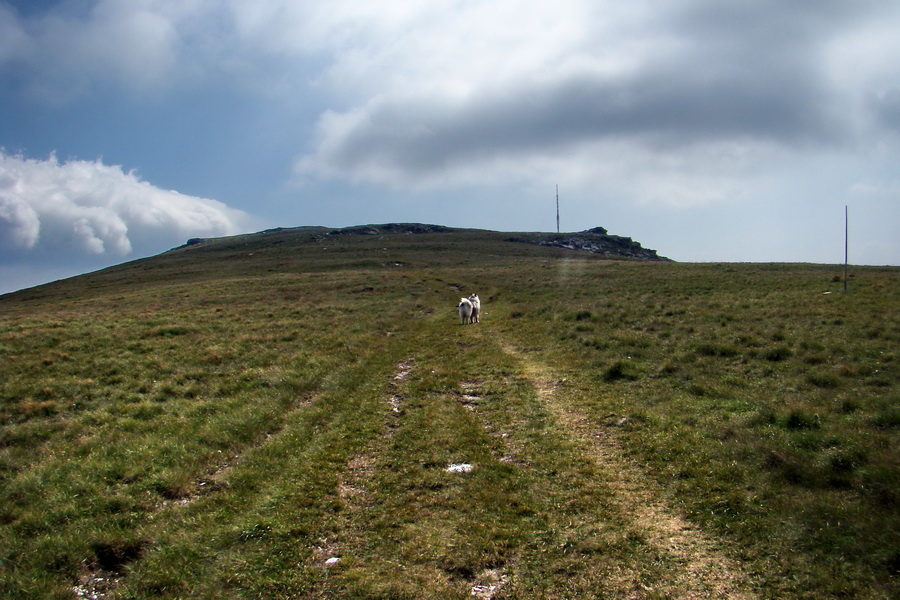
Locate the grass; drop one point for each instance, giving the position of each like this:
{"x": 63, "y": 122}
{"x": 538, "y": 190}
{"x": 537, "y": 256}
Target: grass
{"x": 221, "y": 420}
{"x": 736, "y": 422}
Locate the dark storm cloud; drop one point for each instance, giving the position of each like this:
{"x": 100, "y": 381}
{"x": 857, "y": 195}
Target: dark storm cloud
{"x": 732, "y": 71}
{"x": 660, "y": 109}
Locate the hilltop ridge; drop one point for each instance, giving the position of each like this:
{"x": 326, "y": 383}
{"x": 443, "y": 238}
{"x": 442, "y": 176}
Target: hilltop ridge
{"x": 289, "y": 249}
{"x": 596, "y": 240}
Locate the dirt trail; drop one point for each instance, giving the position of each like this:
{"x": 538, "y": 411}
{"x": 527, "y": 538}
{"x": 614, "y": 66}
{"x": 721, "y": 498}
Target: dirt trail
{"x": 699, "y": 564}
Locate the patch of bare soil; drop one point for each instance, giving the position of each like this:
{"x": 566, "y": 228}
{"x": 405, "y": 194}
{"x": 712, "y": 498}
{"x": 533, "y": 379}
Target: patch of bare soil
{"x": 489, "y": 583}
{"x": 95, "y": 584}
{"x": 359, "y": 470}
{"x": 700, "y": 563}
{"x": 100, "y": 577}
{"x": 404, "y": 368}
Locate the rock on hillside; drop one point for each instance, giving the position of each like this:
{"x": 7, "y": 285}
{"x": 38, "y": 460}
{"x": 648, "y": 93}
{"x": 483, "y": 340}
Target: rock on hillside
{"x": 595, "y": 241}
{"x": 391, "y": 228}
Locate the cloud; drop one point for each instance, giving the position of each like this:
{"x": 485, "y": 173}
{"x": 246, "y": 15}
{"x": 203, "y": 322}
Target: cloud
{"x": 77, "y": 48}
{"x": 692, "y": 103}
{"x": 89, "y": 209}
{"x": 60, "y": 54}
{"x": 689, "y": 78}
{"x": 421, "y": 89}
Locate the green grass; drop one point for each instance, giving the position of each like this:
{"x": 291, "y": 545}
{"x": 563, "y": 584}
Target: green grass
{"x": 220, "y": 420}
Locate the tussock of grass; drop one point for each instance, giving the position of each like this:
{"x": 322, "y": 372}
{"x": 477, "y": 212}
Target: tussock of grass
{"x": 622, "y": 370}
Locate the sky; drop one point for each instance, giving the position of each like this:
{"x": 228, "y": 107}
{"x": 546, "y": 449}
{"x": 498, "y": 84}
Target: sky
{"x": 707, "y": 130}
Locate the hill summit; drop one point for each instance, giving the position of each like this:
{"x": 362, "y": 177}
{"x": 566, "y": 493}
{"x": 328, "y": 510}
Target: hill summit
{"x": 595, "y": 241}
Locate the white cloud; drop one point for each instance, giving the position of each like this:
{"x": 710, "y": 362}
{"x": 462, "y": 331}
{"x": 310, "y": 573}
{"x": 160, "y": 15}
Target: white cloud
{"x": 88, "y": 208}
{"x": 20, "y": 224}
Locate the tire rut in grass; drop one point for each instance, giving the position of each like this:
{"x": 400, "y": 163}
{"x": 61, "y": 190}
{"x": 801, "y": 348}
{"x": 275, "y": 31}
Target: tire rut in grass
{"x": 278, "y": 512}
{"x": 697, "y": 563}
{"x": 101, "y": 576}
{"x": 353, "y": 483}
{"x": 216, "y": 477}
{"x": 373, "y": 536}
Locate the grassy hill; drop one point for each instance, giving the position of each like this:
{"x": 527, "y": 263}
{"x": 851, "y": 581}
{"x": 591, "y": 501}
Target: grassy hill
{"x": 300, "y": 414}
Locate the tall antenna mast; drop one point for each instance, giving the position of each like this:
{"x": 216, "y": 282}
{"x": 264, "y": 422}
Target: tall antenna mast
{"x": 557, "y": 208}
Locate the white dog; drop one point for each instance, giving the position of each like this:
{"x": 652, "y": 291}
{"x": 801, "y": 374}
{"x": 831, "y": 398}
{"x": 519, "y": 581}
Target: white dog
{"x": 476, "y": 308}
{"x": 465, "y": 310}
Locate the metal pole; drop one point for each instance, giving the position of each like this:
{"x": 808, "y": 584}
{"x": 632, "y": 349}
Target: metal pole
{"x": 557, "y": 208}
{"x": 846, "y": 243}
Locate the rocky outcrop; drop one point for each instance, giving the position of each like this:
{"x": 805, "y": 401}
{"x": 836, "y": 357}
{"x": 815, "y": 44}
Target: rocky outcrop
{"x": 390, "y": 228}
{"x": 595, "y": 241}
